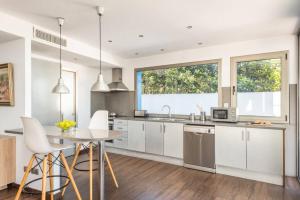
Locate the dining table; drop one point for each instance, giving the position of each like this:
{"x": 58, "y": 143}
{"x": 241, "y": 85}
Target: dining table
{"x": 82, "y": 135}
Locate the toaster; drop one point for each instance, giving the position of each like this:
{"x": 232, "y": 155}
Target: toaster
{"x": 140, "y": 113}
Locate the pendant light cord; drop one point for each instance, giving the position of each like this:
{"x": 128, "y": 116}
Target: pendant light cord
{"x": 100, "y": 41}
{"x": 60, "y": 51}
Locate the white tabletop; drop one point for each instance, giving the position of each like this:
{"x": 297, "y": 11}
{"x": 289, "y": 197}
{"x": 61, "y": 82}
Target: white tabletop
{"x": 82, "y": 135}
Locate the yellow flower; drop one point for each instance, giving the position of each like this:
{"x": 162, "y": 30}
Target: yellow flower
{"x": 65, "y": 124}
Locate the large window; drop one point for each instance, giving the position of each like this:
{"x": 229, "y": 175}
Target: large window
{"x": 260, "y": 86}
{"x": 184, "y": 87}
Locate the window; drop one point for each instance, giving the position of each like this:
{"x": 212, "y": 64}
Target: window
{"x": 184, "y": 87}
{"x": 260, "y": 86}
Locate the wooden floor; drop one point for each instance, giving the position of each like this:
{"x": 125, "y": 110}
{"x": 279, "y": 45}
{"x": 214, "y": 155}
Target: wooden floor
{"x": 145, "y": 179}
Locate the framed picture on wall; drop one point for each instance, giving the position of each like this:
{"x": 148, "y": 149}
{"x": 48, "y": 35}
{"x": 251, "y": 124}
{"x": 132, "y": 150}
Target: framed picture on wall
{"x": 6, "y": 85}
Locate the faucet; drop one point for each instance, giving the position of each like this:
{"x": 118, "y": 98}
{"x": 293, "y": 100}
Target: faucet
{"x": 169, "y": 108}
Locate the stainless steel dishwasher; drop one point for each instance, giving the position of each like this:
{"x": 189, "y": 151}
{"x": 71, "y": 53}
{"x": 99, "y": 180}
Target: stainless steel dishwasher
{"x": 199, "y": 147}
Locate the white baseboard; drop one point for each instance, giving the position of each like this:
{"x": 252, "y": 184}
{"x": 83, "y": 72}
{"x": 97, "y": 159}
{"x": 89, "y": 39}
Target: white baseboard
{"x": 268, "y": 178}
{"x": 164, "y": 159}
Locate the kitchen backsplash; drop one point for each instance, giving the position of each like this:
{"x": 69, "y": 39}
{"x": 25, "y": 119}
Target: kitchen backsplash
{"x": 121, "y": 103}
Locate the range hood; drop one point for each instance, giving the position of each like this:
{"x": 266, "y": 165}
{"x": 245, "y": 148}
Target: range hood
{"x": 117, "y": 84}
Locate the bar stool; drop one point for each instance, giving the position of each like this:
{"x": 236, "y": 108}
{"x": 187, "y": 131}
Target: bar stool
{"x": 36, "y": 141}
{"x": 98, "y": 121}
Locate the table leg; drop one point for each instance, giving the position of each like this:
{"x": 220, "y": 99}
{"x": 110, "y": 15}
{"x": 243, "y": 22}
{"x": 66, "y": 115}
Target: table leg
{"x": 101, "y": 169}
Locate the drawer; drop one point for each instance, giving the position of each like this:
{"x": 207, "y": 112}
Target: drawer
{"x": 109, "y": 144}
{"x": 124, "y": 135}
{"x": 120, "y": 122}
{"x": 121, "y": 143}
{"x": 120, "y": 128}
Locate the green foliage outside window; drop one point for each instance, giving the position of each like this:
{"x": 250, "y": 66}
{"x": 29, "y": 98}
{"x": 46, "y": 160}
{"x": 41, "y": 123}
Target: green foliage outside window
{"x": 259, "y": 76}
{"x": 252, "y": 76}
{"x": 202, "y": 78}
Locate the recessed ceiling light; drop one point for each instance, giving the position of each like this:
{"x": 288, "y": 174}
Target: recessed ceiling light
{"x": 189, "y": 27}
{"x": 162, "y": 49}
{"x": 110, "y": 41}
{"x": 141, "y": 35}
{"x": 199, "y": 43}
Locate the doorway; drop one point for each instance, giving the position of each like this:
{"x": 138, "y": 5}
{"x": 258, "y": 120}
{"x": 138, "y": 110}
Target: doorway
{"x": 68, "y": 104}
{"x": 68, "y": 101}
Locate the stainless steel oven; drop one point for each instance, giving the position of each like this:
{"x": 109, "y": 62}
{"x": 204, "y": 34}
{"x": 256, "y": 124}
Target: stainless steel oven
{"x": 199, "y": 147}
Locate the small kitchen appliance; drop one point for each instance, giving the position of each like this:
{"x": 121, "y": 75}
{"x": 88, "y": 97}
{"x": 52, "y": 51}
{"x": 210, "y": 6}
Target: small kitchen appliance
{"x": 223, "y": 114}
{"x": 140, "y": 113}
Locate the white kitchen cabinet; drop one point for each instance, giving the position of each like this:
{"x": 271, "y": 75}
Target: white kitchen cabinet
{"x": 254, "y": 149}
{"x": 154, "y": 137}
{"x": 230, "y": 146}
{"x": 121, "y": 142}
{"x": 265, "y": 150}
{"x": 173, "y": 139}
{"x": 136, "y": 135}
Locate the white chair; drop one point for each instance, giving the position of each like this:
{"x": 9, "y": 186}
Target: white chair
{"x": 37, "y": 142}
{"x": 98, "y": 121}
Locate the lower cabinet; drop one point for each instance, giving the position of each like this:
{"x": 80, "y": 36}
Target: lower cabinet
{"x": 173, "y": 139}
{"x": 230, "y": 146}
{"x": 254, "y": 149}
{"x": 154, "y": 138}
{"x": 7, "y": 160}
{"x": 265, "y": 150}
{"x": 136, "y": 136}
{"x": 151, "y": 137}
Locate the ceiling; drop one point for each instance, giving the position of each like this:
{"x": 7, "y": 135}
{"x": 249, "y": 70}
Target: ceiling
{"x": 6, "y": 37}
{"x": 53, "y": 53}
{"x": 162, "y": 22}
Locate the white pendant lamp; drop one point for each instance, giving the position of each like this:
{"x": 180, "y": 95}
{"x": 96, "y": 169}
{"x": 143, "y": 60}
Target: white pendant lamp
{"x": 100, "y": 85}
{"x": 60, "y": 88}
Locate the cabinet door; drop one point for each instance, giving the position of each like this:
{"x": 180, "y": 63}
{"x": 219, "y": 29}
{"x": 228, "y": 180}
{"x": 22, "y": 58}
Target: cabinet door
{"x": 154, "y": 138}
{"x": 265, "y": 150}
{"x": 230, "y": 146}
{"x": 136, "y": 135}
{"x": 173, "y": 140}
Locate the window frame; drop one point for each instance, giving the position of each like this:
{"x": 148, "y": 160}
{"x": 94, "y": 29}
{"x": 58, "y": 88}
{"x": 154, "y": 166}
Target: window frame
{"x": 217, "y": 61}
{"x": 283, "y": 56}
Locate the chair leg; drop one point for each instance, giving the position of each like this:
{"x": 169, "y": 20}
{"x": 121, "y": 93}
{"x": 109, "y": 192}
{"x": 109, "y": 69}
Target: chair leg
{"x": 24, "y": 177}
{"x": 50, "y": 174}
{"x": 91, "y": 170}
{"x": 111, "y": 170}
{"x": 72, "y": 167}
{"x": 70, "y": 175}
{"x": 44, "y": 178}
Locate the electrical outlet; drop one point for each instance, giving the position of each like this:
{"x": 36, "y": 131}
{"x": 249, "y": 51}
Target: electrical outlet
{"x": 32, "y": 171}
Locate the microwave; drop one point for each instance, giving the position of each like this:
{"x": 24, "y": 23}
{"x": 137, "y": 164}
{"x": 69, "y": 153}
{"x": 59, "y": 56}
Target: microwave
{"x": 223, "y": 114}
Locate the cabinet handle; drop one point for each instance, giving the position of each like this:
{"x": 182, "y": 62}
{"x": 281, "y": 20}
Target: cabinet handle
{"x": 248, "y": 136}
{"x": 243, "y": 133}
{"x": 143, "y": 127}
{"x": 164, "y": 130}
{"x": 161, "y": 128}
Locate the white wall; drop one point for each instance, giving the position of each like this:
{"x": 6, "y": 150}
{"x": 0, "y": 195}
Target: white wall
{"x": 14, "y": 52}
{"x": 44, "y": 77}
{"x": 223, "y": 52}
